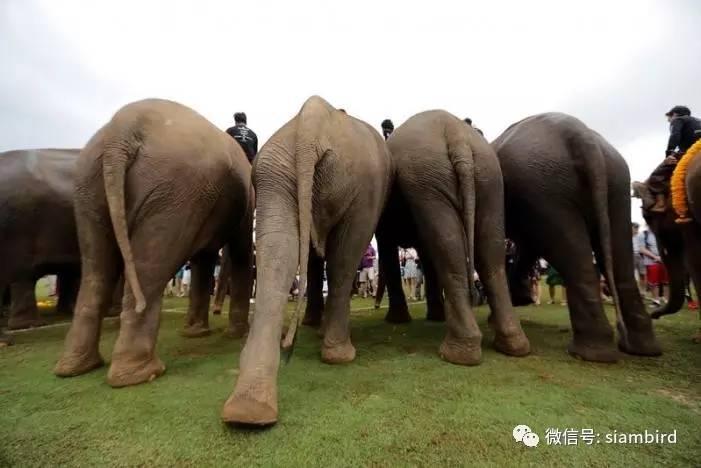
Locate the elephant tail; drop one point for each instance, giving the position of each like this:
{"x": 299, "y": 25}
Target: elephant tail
{"x": 463, "y": 161}
{"x": 309, "y": 147}
{"x": 115, "y": 159}
{"x": 593, "y": 160}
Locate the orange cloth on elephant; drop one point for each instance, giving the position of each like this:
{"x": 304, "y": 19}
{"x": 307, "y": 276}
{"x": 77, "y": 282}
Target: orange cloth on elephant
{"x": 678, "y": 183}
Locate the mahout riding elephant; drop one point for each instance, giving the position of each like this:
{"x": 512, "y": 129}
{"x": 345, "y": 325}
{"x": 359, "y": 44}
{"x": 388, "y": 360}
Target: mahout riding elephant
{"x": 156, "y": 186}
{"x": 567, "y": 194}
{"x": 37, "y": 229}
{"x": 451, "y": 182}
{"x": 321, "y": 180}
{"x": 679, "y": 242}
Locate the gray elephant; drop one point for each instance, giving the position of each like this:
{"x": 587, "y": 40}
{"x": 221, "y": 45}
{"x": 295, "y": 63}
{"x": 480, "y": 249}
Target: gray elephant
{"x": 451, "y": 181}
{"x": 37, "y": 229}
{"x": 679, "y": 242}
{"x": 156, "y": 186}
{"x": 567, "y": 193}
{"x": 322, "y": 179}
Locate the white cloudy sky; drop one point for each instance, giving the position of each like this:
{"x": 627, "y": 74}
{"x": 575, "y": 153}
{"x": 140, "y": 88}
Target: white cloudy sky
{"x": 66, "y": 65}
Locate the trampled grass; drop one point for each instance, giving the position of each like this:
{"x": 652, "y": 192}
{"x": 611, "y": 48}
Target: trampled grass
{"x": 398, "y": 404}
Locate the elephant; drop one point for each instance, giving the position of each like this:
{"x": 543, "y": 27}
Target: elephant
{"x": 567, "y": 194}
{"x": 156, "y": 186}
{"x": 321, "y": 179}
{"x": 397, "y": 228}
{"x": 449, "y": 178}
{"x": 680, "y": 243}
{"x": 37, "y": 229}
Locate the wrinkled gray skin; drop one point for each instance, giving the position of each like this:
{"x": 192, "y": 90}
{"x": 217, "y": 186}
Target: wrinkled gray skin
{"x": 568, "y": 194}
{"x": 156, "y": 186}
{"x": 323, "y": 177}
{"x": 452, "y": 184}
{"x": 397, "y": 228}
{"x": 37, "y": 229}
{"x": 680, "y": 244}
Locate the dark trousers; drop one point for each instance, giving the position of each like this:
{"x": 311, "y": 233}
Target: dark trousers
{"x": 658, "y": 182}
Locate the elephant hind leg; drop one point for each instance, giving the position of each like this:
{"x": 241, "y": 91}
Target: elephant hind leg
{"x": 345, "y": 247}
{"x": 197, "y": 318}
{"x": 240, "y": 282}
{"x": 100, "y": 271}
{"x": 462, "y": 343}
{"x": 568, "y": 247}
{"x": 134, "y": 358}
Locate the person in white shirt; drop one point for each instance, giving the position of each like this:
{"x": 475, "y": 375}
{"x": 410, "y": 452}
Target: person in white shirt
{"x": 638, "y": 264}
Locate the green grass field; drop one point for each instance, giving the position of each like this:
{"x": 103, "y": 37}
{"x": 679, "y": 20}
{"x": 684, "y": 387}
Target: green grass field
{"x": 398, "y": 404}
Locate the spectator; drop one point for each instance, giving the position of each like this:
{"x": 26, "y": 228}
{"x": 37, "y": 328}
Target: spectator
{"x": 244, "y": 136}
{"x": 640, "y": 272}
{"x": 419, "y": 280}
{"x": 655, "y": 270}
{"x": 367, "y": 272}
{"x": 554, "y": 279}
{"x": 187, "y": 278}
{"x": 387, "y": 128}
{"x": 534, "y": 278}
{"x": 410, "y": 257}
{"x": 179, "y": 282}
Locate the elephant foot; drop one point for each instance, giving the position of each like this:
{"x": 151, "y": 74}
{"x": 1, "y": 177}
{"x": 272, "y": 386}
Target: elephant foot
{"x": 195, "y": 331}
{"x": 338, "y": 353}
{"x": 465, "y": 352}
{"x": 640, "y": 344}
{"x": 245, "y": 410}
{"x": 236, "y": 330}
{"x": 398, "y": 315}
{"x": 20, "y": 323}
{"x": 594, "y": 353}
{"x": 513, "y": 344}
{"x": 124, "y": 372}
{"x": 72, "y": 365}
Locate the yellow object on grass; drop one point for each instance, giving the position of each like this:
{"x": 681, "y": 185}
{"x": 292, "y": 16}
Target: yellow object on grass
{"x": 678, "y": 184}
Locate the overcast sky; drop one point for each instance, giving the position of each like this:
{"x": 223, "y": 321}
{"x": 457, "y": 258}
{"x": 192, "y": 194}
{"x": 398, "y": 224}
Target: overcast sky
{"x": 67, "y": 66}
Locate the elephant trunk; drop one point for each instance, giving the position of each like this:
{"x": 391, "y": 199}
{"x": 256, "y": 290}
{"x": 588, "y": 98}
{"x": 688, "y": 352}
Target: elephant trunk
{"x": 114, "y": 167}
{"x": 677, "y": 284}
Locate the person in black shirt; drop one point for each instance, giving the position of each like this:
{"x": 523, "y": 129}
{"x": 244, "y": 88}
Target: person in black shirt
{"x": 387, "y": 128}
{"x": 244, "y": 136}
{"x": 684, "y": 130}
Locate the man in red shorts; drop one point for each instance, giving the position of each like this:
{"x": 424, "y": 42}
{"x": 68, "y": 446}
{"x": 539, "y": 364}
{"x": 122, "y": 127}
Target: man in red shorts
{"x": 655, "y": 269}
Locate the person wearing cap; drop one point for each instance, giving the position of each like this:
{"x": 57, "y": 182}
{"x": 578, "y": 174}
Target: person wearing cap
{"x": 684, "y": 130}
{"x": 387, "y": 128}
{"x": 244, "y": 136}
